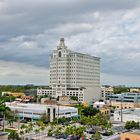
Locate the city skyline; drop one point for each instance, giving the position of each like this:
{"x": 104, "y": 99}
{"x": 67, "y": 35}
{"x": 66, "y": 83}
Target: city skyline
{"x": 31, "y": 30}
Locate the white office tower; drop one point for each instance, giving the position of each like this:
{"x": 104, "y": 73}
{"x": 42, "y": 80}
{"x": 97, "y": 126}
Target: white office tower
{"x": 73, "y": 74}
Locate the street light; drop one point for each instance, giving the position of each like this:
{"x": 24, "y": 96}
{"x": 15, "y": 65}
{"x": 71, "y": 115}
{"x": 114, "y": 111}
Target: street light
{"x": 121, "y": 108}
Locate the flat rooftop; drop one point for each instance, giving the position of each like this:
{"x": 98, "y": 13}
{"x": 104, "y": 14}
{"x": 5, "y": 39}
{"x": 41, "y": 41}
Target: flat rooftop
{"x": 37, "y": 107}
{"x": 131, "y": 111}
{"x": 135, "y": 111}
{"x": 135, "y": 132}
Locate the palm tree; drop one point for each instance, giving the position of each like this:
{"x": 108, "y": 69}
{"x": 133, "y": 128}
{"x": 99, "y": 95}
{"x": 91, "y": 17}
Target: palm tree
{"x": 4, "y": 112}
{"x": 23, "y": 130}
{"x": 11, "y": 117}
{"x": 97, "y": 136}
{"x": 13, "y": 136}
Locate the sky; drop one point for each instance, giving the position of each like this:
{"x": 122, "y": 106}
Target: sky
{"x": 31, "y": 29}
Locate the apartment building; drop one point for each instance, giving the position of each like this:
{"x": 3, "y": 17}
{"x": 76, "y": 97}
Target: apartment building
{"x": 73, "y": 74}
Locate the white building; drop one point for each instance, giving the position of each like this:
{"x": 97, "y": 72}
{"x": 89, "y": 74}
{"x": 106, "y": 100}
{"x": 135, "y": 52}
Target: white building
{"x": 73, "y": 74}
{"x": 99, "y": 104}
{"x": 127, "y": 115}
{"x": 5, "y": 93}
{"x": 35, "y": 111}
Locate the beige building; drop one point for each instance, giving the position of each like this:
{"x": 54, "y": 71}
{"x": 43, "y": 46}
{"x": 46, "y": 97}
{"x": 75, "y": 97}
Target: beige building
{"x": 135, "y": 135}
{"x": 106, "y": 91}
{"x": 135, "y": 90}
{"x": 125, "y": 105}
{"x": 105, "y": 110}
{"x": 15, "y": 94}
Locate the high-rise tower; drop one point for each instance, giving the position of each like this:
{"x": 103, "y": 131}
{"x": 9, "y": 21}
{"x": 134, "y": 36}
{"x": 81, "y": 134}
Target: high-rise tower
{"x": 72, "y": 71}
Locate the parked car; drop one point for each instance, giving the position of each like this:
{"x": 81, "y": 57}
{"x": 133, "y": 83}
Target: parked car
{"x": 90, "y": 131}
{"x": 59, "y": 136}
{"x": 73, "y": 137}
{"x": 105, "y": 134}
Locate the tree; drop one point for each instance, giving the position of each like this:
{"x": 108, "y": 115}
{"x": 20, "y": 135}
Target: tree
{"x": 118, "y": 90}
{"x": 40, "y": 123}
{"x": 97, "y": 136}
{"x": 75, "y": 98}
{"x": 69, "y": 130}
{"x": 128, "y": 125}
{"x": 13, "y": 136}
{"x": 80, "y": 131}
{"x": 90, "y": 111}
{"x": 131, "y": 124}
{"x": 50, "y": 132}
{"x": 4, "y": 112}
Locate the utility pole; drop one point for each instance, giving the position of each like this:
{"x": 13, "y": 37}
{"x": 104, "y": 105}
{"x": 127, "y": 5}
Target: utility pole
{"x": 121, "y": 108}
{"x": 4, "y": 121}
{"x": 58, "y": 113}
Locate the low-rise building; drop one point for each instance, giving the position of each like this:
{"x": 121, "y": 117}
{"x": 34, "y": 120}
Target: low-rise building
{"x": 15, "y": 94}
{"x": 99, "y": 104}
{"x": 78, "y": 92}
{"x": 124, "y": 105}
{"x": 26, "y": 98}
{"x": 135, "y": 90}
{"x": 125, "y": 115}
{"x": 126, "y": 97}
{"x": 36, "y": 111}
{"x": 48, "y": 101}
{"x": 134, "y": 135}
{"x": 106, "y": 91}
{"x": 104, "y": 108}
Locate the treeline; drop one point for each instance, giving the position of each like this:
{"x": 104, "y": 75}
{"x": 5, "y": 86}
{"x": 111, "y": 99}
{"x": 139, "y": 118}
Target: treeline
{"x": 118, "y": 90}
{"x": 18, "y": 88}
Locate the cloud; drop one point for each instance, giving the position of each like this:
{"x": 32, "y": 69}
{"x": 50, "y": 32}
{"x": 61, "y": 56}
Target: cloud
{"x": 17, "y": 73}
{"x": 30, "y": 30}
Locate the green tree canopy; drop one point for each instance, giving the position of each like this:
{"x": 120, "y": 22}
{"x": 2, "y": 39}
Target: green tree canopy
{"x": 75, "y": 98}
{"x": 90, "y": 111}
{"x": 13, "y": 136}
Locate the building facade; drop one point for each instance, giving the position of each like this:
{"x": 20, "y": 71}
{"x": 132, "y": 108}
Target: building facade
{"x": 36, "y": 111}
{"x": 126, "y": 97}
{"x": 15, "y": 94}
{"x": 135, "y": 90}
{"x": 125, "y": 105}
{"x": 106, "y": 91}
{"x": 74, "y": 74}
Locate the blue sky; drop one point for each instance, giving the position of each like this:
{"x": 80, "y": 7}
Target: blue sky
{"x": 30, "y": 30}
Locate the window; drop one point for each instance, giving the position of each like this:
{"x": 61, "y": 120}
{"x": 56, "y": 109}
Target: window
{"x": 127, "y": 139}
{"x": 59, "y": 54}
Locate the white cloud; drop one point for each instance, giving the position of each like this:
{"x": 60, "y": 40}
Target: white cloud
{"x": 17, "y": 73}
